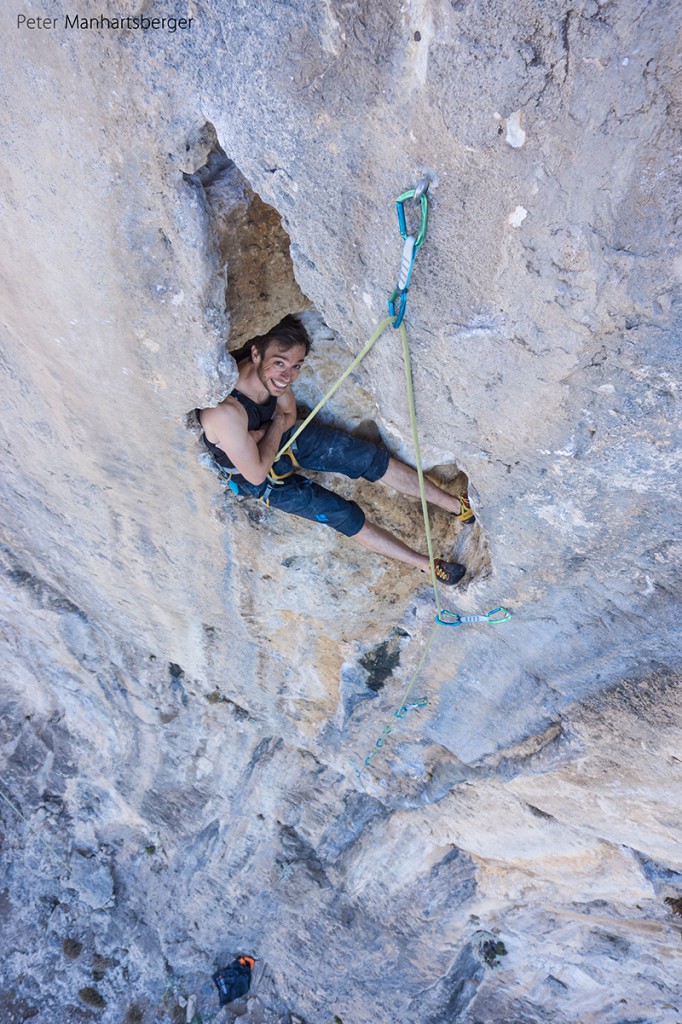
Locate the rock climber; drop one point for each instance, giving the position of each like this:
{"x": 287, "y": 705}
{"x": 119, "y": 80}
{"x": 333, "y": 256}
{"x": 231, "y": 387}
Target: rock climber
{"x": 247, "y": 429}
{"x": 234, "y": 981}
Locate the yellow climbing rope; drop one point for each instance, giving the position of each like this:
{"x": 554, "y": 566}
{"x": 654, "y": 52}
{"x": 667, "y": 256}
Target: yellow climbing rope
{"x": 418, "y": 460}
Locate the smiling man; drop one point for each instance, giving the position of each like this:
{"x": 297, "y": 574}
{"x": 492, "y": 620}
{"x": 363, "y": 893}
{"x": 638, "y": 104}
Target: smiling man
{"x": 248, "y": 428}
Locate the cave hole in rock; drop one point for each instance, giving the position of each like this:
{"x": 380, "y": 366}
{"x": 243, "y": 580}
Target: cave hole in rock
{"x": 252, "y": 244}
{"x": 261, "y": 289}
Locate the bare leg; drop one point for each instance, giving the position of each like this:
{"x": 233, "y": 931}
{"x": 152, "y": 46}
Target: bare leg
{"x": 374, "y": 538}
{"x": 404, "y": 479}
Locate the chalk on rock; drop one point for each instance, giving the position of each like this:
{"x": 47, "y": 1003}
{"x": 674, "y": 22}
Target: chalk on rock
{"x": 517, "y": 217}
{"x": 515, "y": 136}
{"x": 191, "y": 1008}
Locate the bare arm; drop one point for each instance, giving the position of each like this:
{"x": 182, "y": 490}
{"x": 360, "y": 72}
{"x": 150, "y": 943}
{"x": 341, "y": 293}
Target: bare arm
{"x": 227, "y": 426}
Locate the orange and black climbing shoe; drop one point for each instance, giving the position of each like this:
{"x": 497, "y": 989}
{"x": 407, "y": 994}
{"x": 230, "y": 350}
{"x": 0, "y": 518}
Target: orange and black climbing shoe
{"x": 448, "y": 573}
{"x": 465, "y": 514}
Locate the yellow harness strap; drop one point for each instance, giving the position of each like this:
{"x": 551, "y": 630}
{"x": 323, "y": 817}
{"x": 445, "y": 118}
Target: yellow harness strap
{"x": 295, "y": 464}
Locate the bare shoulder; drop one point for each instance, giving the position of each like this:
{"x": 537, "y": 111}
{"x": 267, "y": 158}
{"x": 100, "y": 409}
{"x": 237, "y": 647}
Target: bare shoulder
{"x": 226, "y": 418}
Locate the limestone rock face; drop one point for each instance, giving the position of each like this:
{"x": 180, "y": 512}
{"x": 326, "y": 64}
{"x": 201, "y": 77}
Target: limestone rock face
{"x": 192, "y": 683}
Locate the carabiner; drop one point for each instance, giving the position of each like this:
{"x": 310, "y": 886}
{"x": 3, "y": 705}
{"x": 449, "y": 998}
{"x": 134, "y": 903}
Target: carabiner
{"x": 457, "y": 621}
{"x": 380, "y": 742}
{"x": 401, "y": 309}
{"x": 505, "y": 613}
{"x": 423, "y": 211}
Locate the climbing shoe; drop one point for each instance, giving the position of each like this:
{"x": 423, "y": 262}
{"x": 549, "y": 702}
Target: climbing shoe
{"x": 448, "y": 573}
{"x": 466, "y": 515}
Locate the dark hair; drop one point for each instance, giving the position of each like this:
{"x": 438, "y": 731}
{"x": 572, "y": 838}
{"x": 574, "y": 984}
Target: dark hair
{"x": 288, "y": 333}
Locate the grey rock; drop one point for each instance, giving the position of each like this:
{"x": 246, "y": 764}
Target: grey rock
{"x": 92, "y": 881}
{"x": 154, "y": 217}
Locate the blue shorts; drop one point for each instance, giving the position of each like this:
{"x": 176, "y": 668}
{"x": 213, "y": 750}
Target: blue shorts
{"x": 327, "y": 451}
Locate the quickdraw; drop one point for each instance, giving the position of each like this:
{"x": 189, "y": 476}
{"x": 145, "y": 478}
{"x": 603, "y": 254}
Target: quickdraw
{"x": 495, "y": 617}
{"x": 410, "y": 247}
{"x": 400, "y": 713}
{"x": 404, "y": 708}
{"x": 422, "y": 702}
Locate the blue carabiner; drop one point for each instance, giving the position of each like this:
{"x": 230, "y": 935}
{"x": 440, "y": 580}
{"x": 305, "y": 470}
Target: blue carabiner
{"x": 401, "y": 310}
{"x": 457, "y": 620}
{"x": 423, "y": 218}
{"x": 380, "y": 742}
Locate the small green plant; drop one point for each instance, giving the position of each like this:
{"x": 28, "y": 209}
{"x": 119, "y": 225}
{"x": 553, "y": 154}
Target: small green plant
{"x": 214, "y": 698}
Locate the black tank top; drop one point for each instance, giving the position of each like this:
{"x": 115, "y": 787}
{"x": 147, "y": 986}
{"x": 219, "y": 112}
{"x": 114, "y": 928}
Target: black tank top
{"x": 258, "y": 416}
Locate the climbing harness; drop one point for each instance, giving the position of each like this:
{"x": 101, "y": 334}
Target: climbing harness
{"x": 277, "y": 479}
{"x": 227, "y": 475}
{"x": 295, "y": 464}
{"x": 274, "y": 479}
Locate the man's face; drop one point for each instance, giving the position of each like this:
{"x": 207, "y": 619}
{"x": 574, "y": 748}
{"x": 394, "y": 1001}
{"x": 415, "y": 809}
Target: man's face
{"x": 278, "y": 368}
